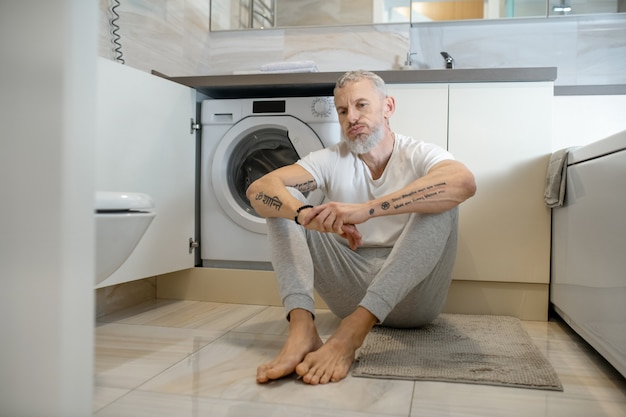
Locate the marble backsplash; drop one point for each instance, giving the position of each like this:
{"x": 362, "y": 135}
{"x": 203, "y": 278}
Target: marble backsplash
{"x": 172, "y": 37}
{"x": 587, "y": 50}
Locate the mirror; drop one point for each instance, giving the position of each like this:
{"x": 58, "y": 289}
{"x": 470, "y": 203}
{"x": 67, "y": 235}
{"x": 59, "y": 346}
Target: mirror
{"x": 438, "y": 10}
{"x": 265, "y": 14}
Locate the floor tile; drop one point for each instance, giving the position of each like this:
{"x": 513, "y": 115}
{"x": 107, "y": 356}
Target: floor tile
{"x": 103, "y": 396}
{"x": 434, "y": 399}
{"x": 189, "y": 314}
{"x": 273, "y": 321}
{"x": 150, "y": 404}
{"x": 189, "y": 358}
{"x": 128, "y": 355}
{"x": 136, "y": 310}
{"x": 226, "y": 369}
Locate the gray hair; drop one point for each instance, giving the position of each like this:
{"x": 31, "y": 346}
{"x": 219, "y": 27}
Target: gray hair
{"x": 358, "y": 75}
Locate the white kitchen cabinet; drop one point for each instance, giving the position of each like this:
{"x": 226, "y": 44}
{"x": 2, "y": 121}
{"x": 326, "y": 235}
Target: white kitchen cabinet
{"x": 144, "y": 144}
{"x": 421, "y": 111}
{"x": 502, "y": 132}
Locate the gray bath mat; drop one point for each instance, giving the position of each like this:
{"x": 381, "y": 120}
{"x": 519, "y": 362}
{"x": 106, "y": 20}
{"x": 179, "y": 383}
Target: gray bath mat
{"x": 489, "y": 350}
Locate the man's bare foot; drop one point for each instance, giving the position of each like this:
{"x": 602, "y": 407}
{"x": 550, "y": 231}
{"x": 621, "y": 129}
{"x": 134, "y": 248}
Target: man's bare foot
{"x": 332, "y": 361}
{"x": 303, "y": 339}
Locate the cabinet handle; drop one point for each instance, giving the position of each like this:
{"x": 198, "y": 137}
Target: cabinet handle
{"x": 194, "y": 126}
{"x": 192, "y": 245}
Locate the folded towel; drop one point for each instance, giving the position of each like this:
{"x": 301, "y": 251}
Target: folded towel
{"x": 246, "y": 72}
{"x": 554, "y": 194}
{"x": 290, "y": 66}
{"x": 285, "y": 71}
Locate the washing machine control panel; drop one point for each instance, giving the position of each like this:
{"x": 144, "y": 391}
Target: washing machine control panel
{"x": 322, "y": 106}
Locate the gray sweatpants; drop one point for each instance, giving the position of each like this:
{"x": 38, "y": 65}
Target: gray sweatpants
{"x": 403, "y": 286}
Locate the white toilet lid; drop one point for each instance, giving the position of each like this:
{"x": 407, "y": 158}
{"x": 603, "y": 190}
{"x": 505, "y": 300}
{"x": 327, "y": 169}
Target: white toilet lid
{"x": 113, "y": 200}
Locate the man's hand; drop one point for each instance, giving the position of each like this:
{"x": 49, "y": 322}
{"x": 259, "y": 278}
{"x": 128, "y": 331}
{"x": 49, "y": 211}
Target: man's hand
{"x": 351, "y": 233}
{"x": 337, "y": 218}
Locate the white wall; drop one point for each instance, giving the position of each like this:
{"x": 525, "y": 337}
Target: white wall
{"x": 47, "y": 119}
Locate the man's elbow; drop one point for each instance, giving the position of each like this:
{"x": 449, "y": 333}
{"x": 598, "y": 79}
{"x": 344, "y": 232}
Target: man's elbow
{"x": 253, "y": 191}
{"x": 468, "y": 185}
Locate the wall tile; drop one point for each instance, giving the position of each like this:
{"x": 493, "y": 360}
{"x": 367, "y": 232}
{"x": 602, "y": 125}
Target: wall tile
{"x": 172, "y": 37}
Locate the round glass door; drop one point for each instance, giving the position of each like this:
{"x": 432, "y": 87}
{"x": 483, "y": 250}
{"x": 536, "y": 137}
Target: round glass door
{"x": 257, "y": 154}
{"x": 250, "y": 149}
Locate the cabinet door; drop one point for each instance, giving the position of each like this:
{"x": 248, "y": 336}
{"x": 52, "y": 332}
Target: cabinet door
{"x": 421, "y": 111}
{"x": 144, "y": 145}
{"x": 502, "y": 132}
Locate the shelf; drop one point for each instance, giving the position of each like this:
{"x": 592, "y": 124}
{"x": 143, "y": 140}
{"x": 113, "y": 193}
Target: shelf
{"x": 322, "y": 83}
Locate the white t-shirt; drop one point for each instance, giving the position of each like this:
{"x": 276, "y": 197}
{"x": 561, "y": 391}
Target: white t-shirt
{"x": 343, "y": 177}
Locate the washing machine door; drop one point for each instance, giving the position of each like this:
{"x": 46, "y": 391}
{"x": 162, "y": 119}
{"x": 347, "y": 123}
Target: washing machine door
{"x": 250, "y": 149}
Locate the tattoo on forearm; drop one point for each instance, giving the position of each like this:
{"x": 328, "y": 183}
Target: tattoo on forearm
{"x": 304, "y": 186}
{"x": 414, "y": 196}
{"x": 270, "y": 201}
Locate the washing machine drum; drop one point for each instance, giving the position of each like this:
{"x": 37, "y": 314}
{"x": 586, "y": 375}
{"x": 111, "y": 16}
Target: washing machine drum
{"x": 253, "y": 163}
{"x": 252, "y": 152}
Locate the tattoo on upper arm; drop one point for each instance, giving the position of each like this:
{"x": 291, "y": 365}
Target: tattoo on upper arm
{"x": 270, "y": 201}
{"x": 304, "y": 186}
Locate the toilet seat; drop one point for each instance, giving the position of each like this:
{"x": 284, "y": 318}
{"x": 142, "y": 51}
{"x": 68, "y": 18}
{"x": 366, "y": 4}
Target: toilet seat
{"x": 121, "y": 219}
{"x": 113, "y": 201}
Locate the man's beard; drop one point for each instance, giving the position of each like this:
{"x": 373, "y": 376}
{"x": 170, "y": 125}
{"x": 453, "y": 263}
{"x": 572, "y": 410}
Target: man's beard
{"x": 360, "y": 146}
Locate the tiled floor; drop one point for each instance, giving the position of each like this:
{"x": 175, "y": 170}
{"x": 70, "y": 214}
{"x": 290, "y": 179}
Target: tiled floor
{"x": 188, "y": 358}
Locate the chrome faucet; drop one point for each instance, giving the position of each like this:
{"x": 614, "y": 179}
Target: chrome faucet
{"x": 448, "y": 58}
{"x": 409, "y": 59}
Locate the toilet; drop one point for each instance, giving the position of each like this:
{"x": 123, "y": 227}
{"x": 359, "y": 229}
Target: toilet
{"x": 121, "y": 221}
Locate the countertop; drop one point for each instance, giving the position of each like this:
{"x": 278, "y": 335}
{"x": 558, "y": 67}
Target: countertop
{"x": 322, "y": 83}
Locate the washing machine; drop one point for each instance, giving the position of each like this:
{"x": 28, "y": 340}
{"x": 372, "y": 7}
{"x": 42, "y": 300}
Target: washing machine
{"x": 242, "y": 140}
